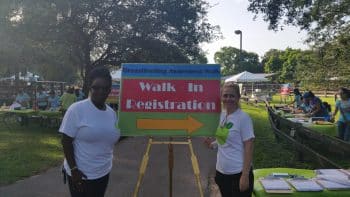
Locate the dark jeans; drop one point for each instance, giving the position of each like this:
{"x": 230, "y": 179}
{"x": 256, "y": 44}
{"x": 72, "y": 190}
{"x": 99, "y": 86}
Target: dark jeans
{"x": 91, "y": 188}
{"x": 229, "y": 184}
{"x": 344, "y": 131}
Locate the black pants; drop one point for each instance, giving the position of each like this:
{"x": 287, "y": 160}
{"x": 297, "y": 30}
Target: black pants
{"x": 229, "y": 184}
{"x": 91, "y": 188}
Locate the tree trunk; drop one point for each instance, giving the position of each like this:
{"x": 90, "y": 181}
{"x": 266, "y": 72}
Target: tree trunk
{"x": 88, "y": 68}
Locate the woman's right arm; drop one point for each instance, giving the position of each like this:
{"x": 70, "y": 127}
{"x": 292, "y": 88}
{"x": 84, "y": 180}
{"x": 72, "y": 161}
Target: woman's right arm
{"x": 67, "y": 143}
{"x": 77, "y": 175}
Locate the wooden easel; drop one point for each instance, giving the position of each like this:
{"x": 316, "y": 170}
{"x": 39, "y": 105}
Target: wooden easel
{"x": 170, "y": 143}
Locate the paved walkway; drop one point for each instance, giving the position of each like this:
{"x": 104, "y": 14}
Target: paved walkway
{"x": 128, "y": 156}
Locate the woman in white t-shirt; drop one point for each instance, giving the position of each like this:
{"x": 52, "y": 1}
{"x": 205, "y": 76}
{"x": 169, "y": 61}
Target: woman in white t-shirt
{"x": 234, "y": 138}
{"x": 89, "y": 135}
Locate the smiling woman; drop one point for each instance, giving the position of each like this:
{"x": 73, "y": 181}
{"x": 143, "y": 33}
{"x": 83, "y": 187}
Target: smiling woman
{"x": 89, "y": 134}
{"x": 234, "y": 139}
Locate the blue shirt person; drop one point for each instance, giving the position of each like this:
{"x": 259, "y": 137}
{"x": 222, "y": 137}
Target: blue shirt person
{"x": 79, "y": 94}
{"x": 23, "y": 98}
{"x": 317, "y": 107}
{"x": 41, "y": 98}
{"x": 343, "y": 105}
{"x": 53, "y": 101}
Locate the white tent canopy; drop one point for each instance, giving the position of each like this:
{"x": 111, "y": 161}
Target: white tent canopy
{"x": 23, "y": 76}
{"x": 247, "y": 77}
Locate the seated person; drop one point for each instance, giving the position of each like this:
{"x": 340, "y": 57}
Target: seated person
{"x": 15, "y": 105}
{"x": 67, "y": 99}
{"x": 53, "y": 101}
{"x": 23, "y": 98}
{"x": 303, "y": 108}
{"x": 317, "y": 108}
{"x": 41, "y": 98}
{"x": 298, "y": 97}
{"x": 79, "y": 94}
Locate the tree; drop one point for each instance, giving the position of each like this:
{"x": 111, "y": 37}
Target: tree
{"x": 323, "y": 19}
{"x": 229, "y": 58}
{"x": 284, "y": 64}
{"x": 290, "y": 58}
{"x": 272, "y": 63}
{"x": 109, "y": 32}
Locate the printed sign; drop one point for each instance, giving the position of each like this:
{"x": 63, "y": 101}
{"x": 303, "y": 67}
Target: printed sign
{"x": 169, "y": 99}
{"x": 113, "y": 96}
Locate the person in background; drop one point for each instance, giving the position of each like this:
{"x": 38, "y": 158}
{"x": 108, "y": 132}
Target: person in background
{"x": 297, "y": 98}
{"x": 335, "y": 97}
{"x": 15, "y": 105}
{"x": 23, "y": 98}
{"x": 234, "y": 139}
{"x": 67, "y": 99}
{"x": 41, "y": 98}
{"x": 305, "y": 107}
{"x": 317, "y": 107}
{"x": 89, "y": 135}
{"x": 343, "y": 105}
{"x": 53, "y": 101}
{"x": 79, "y": 94}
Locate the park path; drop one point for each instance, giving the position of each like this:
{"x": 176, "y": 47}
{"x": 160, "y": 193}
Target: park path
{"x": 123, "y": 178}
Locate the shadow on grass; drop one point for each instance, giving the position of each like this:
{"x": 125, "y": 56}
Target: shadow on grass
{"x": 27, "y": 151}
{"x": 267, "y": 151}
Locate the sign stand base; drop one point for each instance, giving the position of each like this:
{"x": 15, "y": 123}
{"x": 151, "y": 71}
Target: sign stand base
{"x": 170, "y": 143}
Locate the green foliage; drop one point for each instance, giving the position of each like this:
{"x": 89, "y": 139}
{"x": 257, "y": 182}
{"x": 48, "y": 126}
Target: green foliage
{"x": 283, "y": 63}
{"x": 81, "y": 35}
{"x": 290, "y": 59}
{"x": 272, "y": 63}
{"x": 327, "y": 65}
{"x": 323, "y": 19}
{"x": 233, "y": 62}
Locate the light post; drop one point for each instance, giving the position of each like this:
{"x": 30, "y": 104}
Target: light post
{"x": 239, "y": 32}
{"x": 240, "y": 44}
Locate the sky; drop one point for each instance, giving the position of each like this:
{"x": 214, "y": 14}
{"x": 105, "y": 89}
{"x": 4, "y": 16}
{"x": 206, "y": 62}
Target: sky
{"x": 232, "y": 15}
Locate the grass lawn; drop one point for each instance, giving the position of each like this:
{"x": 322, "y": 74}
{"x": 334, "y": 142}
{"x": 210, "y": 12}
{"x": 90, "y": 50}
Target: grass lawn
{"x": 26, "y": 151}
{"x": 267, "y": 152}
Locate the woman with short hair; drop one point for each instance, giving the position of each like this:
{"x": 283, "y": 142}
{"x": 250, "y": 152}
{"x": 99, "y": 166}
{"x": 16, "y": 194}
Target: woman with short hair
{"x": 89, "y": 135}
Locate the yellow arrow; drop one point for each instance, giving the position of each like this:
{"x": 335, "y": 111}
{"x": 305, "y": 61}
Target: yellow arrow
{"x": 190, "y": 124}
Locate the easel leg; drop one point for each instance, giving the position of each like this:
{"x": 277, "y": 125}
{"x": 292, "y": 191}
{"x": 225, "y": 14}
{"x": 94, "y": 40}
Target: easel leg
{"x": 171, "y": 166}
{"x": 195, "y": 167}
{"x": 143, "y": 167}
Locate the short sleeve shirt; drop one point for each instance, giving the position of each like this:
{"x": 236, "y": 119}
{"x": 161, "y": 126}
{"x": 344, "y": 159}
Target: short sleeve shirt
{"x": 315, "y": 101}
{"x": 95, "y": 134}
{"x": 21, "y": 98}
{"x": 298, "y": 101}
{"x": 67, "y": 99}
{"x": 345, "y": 106}
{"x": 230, "y": 155}
{"x": 54, "y": 101}
{"x": 41, "y": 97}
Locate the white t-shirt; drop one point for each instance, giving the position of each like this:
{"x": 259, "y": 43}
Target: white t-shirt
{"x": 95, "y": 134}
{"x": 230, "y": 154}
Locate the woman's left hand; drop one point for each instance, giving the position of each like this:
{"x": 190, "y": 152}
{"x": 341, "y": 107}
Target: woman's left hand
{"x": 208, "y": 142}
{"x": 243, "y": 183}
